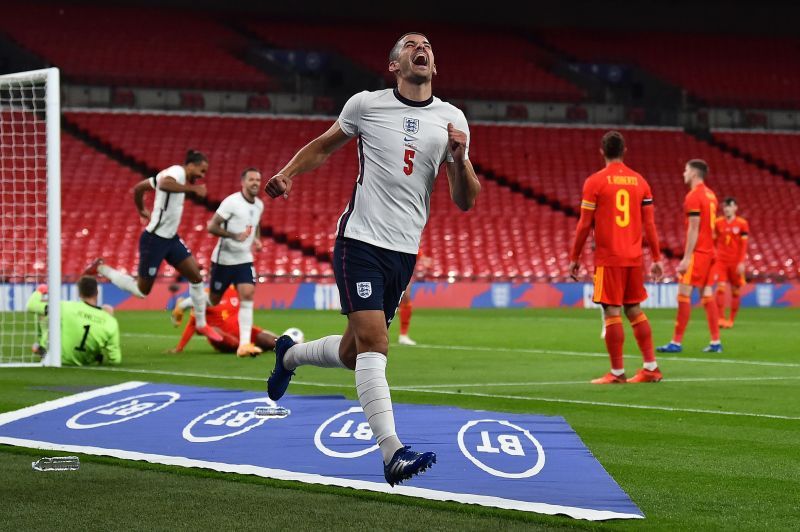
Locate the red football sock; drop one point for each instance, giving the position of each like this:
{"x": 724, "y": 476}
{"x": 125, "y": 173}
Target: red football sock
{"x": 405, "y": 317}
{"x": 712, "y": 314}
{"x": 644, "y": 337}
{"x": 736, "y": 300}
{"x": 615, "y": 338}
{"x": 721, "y": 300}
{"x": 682, "y": 320}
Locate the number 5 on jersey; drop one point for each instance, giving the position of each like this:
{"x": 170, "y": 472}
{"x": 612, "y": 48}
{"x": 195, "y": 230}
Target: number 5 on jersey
{"x": 409, "y": 160}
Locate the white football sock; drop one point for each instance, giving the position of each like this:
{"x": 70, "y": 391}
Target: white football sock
{"x": 650, "y": 366}
{"x": 245, "y": 322}
{"x": 185, "y": 303}
{"x": 121, "y": 280}
{"x": 199, "y": 301}
{"x": 617, "y": 372}
{"x": 373, "y": 394}
{"x": 323, "y": 353}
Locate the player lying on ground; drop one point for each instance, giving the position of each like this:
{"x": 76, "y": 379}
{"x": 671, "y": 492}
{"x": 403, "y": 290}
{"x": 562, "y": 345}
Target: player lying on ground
{"x": 224, "y": 317}
{"x": 159, "y": 241}
{"x": 404, "y": 136}
{"x": 237, "y": 224}
{"x": 697, "y": 266}
{"x": 89, "y": 334}
{"x": 618, "y": 204}
{"x": 731, "y": 244}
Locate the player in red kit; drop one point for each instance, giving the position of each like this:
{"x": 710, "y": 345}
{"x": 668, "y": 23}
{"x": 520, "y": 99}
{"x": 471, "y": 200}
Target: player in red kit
{"x": 224, "y": 318}
{"x": 731, "y": 244}
{"x": 618, "y": 203}
{"x": 697, "y": 266}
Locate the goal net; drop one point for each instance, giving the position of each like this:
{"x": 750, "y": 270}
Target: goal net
{"x": 30, "y": 216}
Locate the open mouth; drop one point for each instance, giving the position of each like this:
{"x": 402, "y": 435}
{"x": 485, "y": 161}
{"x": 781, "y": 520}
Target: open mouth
{"x": 420, "y": 59}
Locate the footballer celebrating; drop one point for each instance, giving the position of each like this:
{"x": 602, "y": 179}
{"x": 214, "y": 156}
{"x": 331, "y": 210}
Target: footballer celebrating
{"x": 237, "y": 224}
{"x": 160, "y": 242}
{"x": 404, "y": 135}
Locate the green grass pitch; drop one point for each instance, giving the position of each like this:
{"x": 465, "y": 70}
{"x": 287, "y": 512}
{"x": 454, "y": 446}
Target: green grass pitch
{"x": 714, "y": 446}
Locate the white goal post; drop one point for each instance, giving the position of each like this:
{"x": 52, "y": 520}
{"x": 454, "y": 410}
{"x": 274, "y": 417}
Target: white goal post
{"x": 30, "y": 214}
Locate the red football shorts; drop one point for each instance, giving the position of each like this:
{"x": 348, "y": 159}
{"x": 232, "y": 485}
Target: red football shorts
{"x": 727, "y": 273}
{"x": 619, "y": 285}
{"x": 700, "y": 272}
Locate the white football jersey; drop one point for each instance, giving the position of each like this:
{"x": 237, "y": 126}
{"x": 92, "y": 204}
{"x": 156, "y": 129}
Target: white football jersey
{"x": 167, "y": 206}
{"x": 401, "y": 145}
{"x": 239, "y": 215}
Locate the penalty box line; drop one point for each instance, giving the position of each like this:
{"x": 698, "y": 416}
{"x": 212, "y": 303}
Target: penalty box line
{"x": 418, "y": 389}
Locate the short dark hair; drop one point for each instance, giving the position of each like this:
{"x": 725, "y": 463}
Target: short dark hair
{"x": 730, "y": 200}
{"x": 195, "y": 157}
{"x": 700, "y": 165}
{"x": 613, "y": 145}
{"x": 394, "y": 53}
{"x": 87, "y": 286}
{"x": 249, "y": 169}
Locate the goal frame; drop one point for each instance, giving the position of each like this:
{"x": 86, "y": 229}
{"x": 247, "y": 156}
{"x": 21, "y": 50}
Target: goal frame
{"x": 52, "y": 85}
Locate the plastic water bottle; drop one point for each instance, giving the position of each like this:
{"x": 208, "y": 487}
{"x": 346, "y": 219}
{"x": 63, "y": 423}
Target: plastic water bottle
{"x": 57, "y": 463}
{"x": 271, "y": 411}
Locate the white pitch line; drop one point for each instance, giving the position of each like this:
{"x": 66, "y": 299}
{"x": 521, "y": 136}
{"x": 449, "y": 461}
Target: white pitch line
{"x": 604, "y": 355}
{"x": 603, "y": 403}
{"x": 418, "y": 389}
{"x": 560, "y": 353}
{"x": 555, "y": 383}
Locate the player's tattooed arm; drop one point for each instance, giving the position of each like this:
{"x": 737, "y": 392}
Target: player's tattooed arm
{"x": 138, "y": 197}
{"x": 464, "y": 184}
{"x": 310, "y": 157}
{"x": 169, "y": 184}
{"x": 216, "y": 229}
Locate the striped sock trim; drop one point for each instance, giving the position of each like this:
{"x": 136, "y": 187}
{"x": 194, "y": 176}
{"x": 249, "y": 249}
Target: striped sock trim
{"x": 639, "y": 319}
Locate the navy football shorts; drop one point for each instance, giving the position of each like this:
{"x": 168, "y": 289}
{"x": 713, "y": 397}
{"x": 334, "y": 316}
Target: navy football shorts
{"x": 370, "y": 277}
{"x": 223, "y": 276}
{"x": 154, "y": 249}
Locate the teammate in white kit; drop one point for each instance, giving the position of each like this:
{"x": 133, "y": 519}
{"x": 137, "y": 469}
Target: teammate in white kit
{"x": 404, "y": 136}
{"x": 160, "y": 241}
{"x": 237, "y": 224}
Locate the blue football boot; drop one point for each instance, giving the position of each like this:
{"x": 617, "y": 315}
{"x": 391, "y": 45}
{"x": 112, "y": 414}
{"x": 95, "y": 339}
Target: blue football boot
{"x": 671, "y": 347}
{"x": 279, "y": 379}
{"x": 406, "y": 463}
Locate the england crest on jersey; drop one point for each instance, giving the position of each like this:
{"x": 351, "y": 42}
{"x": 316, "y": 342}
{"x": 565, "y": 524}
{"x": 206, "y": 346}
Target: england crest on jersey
{"x": 410, "y": 125}
{"x": 364, "y": 289}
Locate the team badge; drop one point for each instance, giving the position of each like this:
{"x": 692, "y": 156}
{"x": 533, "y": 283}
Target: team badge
{"x": 411, "y": 125}
{"x": 152, "y": 271}
{"x": 364, "y": 289}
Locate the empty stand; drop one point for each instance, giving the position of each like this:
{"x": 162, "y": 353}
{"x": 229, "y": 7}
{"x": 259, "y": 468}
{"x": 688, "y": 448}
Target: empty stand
{"x": 554, "y": 161}
{"x": 724, "y": 70}
{"x": 779, "y": 149}
{"x": 508, "y": 235}
{"x": 489, "y": 243}
{"x": 471, "y": 63}
{"x": 134, "y": 46}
